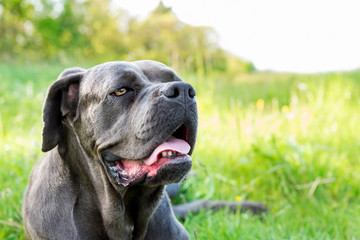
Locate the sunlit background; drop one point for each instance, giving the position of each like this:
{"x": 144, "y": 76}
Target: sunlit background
{"x": 280, "y": 35}
{"x": 278, "y": 92}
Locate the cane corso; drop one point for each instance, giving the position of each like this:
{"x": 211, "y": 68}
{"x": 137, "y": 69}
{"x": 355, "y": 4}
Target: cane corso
{"x": 114, "y": 136}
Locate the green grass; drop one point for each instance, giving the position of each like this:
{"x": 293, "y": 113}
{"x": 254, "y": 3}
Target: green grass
{"x": 289, "y": 141}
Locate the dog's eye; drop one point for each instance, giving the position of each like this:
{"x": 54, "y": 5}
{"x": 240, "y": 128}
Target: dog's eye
{"x": 119, "y": 92}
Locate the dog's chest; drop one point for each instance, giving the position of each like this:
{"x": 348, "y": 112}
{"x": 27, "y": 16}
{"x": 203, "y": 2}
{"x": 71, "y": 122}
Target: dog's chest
{"x": 119, "y": 225}
{"x": 124, "y": 232}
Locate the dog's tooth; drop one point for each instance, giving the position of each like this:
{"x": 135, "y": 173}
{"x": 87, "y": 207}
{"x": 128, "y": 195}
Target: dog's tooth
{"x": 168, "y": 153}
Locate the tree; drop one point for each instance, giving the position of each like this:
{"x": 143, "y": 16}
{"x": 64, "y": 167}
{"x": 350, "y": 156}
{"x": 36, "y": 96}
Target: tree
{"x": 92, "y": 29}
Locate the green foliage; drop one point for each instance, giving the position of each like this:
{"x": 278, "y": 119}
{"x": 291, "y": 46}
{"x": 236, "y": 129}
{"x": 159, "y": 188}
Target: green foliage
{"x": 22, "y": 90}
{"x": 70, "y": 30}
{"x": 15, "y": 26}
{"x": 290, "y": 141}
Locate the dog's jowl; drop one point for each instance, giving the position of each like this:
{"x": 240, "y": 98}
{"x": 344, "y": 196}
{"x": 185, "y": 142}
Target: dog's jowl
{"x": 114, "y": 135}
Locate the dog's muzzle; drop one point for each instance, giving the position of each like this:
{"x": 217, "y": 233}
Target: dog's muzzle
{"x": 170, "y": 160}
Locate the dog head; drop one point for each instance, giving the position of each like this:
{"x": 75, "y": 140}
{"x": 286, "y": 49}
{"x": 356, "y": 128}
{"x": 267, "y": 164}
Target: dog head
{"x": 137, "y": 120}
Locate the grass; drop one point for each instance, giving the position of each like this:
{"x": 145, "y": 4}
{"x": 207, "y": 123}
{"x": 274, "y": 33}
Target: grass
{"x": 289, "y": 141}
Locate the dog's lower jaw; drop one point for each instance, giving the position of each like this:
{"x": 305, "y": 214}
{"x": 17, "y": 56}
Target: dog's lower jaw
{"x": 172, "y": 172}
{"x": 165, "y": 171}
{"x": 169, "y": 159}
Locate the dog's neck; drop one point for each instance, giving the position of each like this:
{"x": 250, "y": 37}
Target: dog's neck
{"x": 122, "y": 208}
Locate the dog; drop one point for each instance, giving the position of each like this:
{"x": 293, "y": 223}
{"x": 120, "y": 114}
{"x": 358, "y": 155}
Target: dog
{"x": 114, "y": 136}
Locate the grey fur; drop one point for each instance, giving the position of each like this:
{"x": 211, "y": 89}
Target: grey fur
{"x": 71, "y": 193}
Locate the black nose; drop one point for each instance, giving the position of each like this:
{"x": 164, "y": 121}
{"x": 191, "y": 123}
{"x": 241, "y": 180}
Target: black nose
{"x": 180, "y": 91}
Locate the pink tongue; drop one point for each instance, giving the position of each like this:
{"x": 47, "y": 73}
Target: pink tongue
{"x": 172, "y": 144}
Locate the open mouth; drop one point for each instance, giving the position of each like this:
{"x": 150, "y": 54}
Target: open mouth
{"x": 174, "y": 150}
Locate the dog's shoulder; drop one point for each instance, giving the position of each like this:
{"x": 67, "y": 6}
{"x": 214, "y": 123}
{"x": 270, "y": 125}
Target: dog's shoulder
{"x": 50, "y": 189}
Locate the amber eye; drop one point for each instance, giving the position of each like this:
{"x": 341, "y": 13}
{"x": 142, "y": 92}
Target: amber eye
{"x": 119, "y": 92}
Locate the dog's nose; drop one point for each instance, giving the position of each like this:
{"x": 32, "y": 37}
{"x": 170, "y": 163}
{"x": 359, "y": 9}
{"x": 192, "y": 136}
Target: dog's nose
{"x": 180, "y": 91}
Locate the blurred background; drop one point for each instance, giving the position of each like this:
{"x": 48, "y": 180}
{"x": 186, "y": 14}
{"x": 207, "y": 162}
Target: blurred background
{"x": 278, "y": 91}
{"x": 99, "y": 31}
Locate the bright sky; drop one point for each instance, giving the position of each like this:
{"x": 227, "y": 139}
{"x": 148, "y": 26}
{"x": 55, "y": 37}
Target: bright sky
{"x": 281, "y": 35}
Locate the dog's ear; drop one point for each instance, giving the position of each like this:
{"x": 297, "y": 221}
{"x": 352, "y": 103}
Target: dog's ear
{"x": 62, "y": 100}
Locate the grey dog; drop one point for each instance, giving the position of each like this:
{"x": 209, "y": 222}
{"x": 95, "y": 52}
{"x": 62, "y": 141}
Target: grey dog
{"x": 114, "y": 136}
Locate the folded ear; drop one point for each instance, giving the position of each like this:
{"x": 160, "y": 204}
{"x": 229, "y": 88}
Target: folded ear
{"x": 62, "y": 100}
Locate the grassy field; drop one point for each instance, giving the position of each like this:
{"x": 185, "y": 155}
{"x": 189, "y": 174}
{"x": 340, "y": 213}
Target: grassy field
{"x": 289, "y": 141}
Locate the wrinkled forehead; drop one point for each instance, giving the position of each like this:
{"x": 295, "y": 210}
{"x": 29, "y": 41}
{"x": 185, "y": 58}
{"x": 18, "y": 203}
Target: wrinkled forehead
{"x": 157, "y": 72}
{"x": 112, "y": 74}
